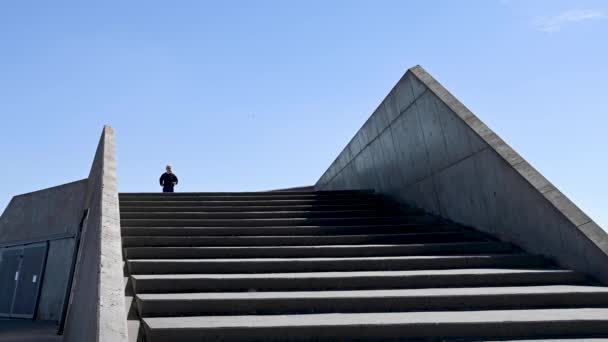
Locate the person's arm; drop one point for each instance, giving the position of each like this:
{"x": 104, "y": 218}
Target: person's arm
{"x": 161, "y": 180}
{"x": 175, "y": 180}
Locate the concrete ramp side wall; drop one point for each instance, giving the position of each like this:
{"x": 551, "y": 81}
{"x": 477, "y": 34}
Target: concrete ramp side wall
{"x": 97, "y": 309}
{"x": 425, "y": 148}
{"x": 51, "y": 215}
{"x": 37, "y": 215}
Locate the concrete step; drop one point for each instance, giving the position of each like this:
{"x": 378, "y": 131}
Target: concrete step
{"x": 160, "y": 283}
{"x": 195, "y": 215}
{"x": 248, "y": 193}
{"x": 350, "y": 221}
{"x": 133, "y": 207}
{"x": 339, "y": 193}
{"x": 270, "y": 265}
{"x": 297, "y": 240}
{"x": 244, "y": 197}
{"x": 361, "y": 326}
{"x": 187, "y": 202}
{"x": 395, "y": 300}
{"x": 303, "y": 240}
{"x": 316, "y": 251}
{"x": 302, "y": 230}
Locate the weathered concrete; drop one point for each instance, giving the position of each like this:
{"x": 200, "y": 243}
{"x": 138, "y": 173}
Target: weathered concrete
{"x": 51, "y": 215}
{"x": 227, "y": 285}
{"x": 341, "y": 326}
{"x": 423, "y": 147}
{"x": 352, "y": 280}
{"x": 42, "y": 214}
{"x": 97, "y": 309}
{"x": 360, "y": 301}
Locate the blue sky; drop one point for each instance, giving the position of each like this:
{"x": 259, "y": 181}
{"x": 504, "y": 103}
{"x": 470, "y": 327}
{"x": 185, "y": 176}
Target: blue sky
{"x": 253, "y": 95}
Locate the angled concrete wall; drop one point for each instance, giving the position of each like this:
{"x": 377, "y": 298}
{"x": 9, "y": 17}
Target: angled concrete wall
{"x": 97, "y": 309}
{"x": 51, "y": 215}
{"x": 423, "y": 147}
{"x": 50, "y": 212}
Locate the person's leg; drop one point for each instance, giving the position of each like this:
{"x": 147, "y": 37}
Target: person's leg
{"x": 167, "y": 189}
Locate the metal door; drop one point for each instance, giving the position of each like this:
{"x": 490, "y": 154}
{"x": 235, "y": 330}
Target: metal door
{"x": 10, "y": 260}
{"x": 29, "y": 278}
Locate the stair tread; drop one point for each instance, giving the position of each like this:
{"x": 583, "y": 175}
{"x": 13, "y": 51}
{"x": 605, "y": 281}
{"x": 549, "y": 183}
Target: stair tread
{"x": 209, "y": 229}
{"x": 304, "y": 275}
{"x": 427, "y": 292}
{"x": 413, "y": 257}
{"x": 248, "y": 192}
{"x": 333, "y": 236}
{"x": 470, "y": 243}
{"x": 402, "y": 318}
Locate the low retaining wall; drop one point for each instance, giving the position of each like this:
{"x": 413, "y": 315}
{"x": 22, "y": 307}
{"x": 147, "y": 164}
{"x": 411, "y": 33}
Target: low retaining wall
{"x": 425, "y": 148}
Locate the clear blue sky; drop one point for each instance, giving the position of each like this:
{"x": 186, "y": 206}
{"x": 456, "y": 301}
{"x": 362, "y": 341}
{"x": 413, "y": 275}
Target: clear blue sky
{"x": 252, "y": 95}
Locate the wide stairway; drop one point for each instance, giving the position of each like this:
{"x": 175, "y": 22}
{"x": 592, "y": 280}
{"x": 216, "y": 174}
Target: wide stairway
{"x": 336, "y": 266}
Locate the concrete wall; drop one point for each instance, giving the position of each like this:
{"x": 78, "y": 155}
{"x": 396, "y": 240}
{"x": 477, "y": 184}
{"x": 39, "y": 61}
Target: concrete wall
{"x": 423, "y": 147}
{"x": 97, "y": 305}
{"x": 51, "y": 215}
{"x": 50, "y": 212}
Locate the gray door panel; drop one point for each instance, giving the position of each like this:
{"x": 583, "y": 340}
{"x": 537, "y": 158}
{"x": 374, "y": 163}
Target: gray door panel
{"x": 9, "y": 266}
{"x": 30, "y": 276}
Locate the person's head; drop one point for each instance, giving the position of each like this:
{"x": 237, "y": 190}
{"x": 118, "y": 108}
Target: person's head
{"x": 168, "y": 168}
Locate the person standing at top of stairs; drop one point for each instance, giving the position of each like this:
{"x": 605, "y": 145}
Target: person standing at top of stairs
{"x": 168, "y": 180}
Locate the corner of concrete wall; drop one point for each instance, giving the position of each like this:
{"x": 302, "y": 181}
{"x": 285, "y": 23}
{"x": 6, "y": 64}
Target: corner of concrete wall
{"x": 424, "y": 147}
{"x": 97, "y": 309}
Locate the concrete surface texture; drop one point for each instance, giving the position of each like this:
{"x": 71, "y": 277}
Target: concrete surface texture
{"x": 424, "y": 148}
{"x": 335, "y": 266}
{"x": 51, "y": 215}
{"x": 97, "y": 309}
{"x": 42, "y": 214}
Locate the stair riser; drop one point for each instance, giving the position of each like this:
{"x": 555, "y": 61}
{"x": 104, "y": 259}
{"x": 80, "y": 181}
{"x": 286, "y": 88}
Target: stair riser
{"x": 250, "y": 193}
{"x": 236, "y": 209}
{"x": 305, "y": 252}
{"x": 246, "y": 196}
{"x": 277, "y": 197}
{"x": 275, "y": 222}
{"x": 352, "y": 283}
{"x": 243, "y": 204}
{"x": 213, "y": 307}
{"x": 379, "y": 330}
{"x": 160, "y": 241}
{"x": 295, "y": 240}
{"x": 283, "y": 230}
{"x": 262, "y": 266}
{"x": 253, "y": 215}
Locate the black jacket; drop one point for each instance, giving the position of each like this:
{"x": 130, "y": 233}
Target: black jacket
{"x": 167, "y": 180}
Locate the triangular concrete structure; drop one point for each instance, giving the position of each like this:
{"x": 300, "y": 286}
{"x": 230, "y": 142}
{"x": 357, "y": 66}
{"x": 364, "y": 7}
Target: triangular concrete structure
{"x": 424, "y": 147}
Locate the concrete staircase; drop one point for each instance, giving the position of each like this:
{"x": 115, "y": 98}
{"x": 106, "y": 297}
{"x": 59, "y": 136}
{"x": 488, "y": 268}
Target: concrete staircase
{"x": 336, "y": 266}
